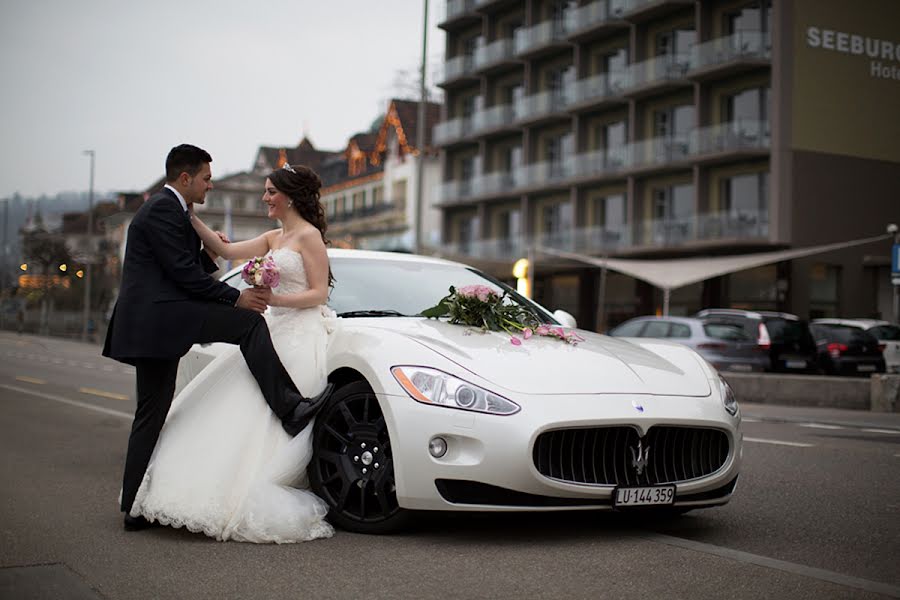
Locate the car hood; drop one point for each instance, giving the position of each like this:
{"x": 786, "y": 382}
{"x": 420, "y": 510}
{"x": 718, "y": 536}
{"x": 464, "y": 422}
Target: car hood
{"x": 598, "y": 365}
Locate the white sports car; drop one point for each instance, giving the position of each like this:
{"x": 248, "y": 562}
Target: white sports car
{"x": 433, "y": 416}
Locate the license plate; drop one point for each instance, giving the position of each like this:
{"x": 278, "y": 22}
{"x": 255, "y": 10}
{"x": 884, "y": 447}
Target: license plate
{"x": 644, "y": 496}
{"x": 865, "y": 367}
{"x": 795, "y": 364}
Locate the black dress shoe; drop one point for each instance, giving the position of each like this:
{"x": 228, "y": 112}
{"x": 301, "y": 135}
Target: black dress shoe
{"x": 137, "y": 523}
{"x": 300, "y": 417}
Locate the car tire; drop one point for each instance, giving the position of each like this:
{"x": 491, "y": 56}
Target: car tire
{"x": 352, "y": 468}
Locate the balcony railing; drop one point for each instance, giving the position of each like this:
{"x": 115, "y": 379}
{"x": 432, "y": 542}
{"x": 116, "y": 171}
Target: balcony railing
{"x": 456, "y": 8}
{"x": 587, "y": 240}
{"x": 455, "y": 191}
{"x": 738, "y": 224}
{"x": 495, "y": 117}
{"x": 602, "y": 162}
{"x": 597, "y": 88}
{"x": 546, "y": 172}
{"x": 540, "y": 35}
{"x": 541, "y": 104}
{"x": 496, "y": 52}
{"x": 491, "y": 249}
{"x": 456, "y": 67}
{"x": 730, "y": 137}
{"x": 586, "y": 17}
{"x": 659, "y": 151}
{"x": 622, "y": 7}
{"x": 738, "y": 46}
{"x": 363, "y": 212}
{"x": 667, "y": 67}
{"x": 452, "y": 130}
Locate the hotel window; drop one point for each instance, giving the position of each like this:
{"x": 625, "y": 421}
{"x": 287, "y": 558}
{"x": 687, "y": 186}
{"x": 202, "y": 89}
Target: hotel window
{"x": 378, "y": 196}
{"x": 509, "y": 228}
{"x": 751, "y": 107}
{"x": 468, "y": 232}
{"x": 556, "y": 218}
{"x": 745, "y": 202}
{"x": 556, "y": 149}
{"x": 673, "y": 213}
{"x": 331, "y": 205}
{"x": 755, "y": 16}
{"x": 359, "y": 200}
{"x": 609, "y": 212}
{"x": 674, "y": 121}
{"x": 675, "y": 42}
{"x": 558, "y": 11}
{"x": 347, "y": 202}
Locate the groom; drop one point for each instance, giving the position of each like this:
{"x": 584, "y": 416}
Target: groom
{"x": 168, "y": 302}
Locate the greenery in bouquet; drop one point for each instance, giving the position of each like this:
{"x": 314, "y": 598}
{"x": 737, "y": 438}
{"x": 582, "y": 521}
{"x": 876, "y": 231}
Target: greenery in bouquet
{"x": 489, "y": 310}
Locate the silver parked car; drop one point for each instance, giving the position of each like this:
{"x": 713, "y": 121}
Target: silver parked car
{"x": 727, "y": 347}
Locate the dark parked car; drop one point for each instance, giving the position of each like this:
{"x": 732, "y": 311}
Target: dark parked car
{"x": 848, "y": 350}
{"x": 726, "y": 347}
{"x": 784, "y": 336}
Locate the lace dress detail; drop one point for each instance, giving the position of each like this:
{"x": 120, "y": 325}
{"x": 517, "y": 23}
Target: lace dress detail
{"x": 223, "y": 465}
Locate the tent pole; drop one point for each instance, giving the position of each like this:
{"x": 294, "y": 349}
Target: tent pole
{"x": 666, "y": 293}
{"x": 601, "y": 312}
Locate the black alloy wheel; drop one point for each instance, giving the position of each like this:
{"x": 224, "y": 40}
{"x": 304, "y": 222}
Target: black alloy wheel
{"x": 353, "y": 467}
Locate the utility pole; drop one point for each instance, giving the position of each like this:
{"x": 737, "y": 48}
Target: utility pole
{"x": 895, "y": 269}
{"x": 420, "y": 140}
{"x": 90, "y": 251}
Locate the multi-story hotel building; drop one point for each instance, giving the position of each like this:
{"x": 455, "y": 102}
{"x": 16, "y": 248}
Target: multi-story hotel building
{"x": 674, "y": 128}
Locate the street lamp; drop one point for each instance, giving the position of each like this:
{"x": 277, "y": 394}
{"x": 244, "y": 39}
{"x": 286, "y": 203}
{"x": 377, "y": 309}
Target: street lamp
{"x": 895, "y": 269}
{"x": 90, "y": 234}
{"x": 420, "y": 142}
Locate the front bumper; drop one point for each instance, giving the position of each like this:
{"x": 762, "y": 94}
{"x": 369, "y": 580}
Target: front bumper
{"x": 489, "y": 462}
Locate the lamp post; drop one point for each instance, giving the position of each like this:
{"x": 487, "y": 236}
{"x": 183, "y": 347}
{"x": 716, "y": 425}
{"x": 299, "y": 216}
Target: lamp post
{"x": 90, "y": 236}
{"x": 420, "y": 141}
{"x": 895, "y": 269}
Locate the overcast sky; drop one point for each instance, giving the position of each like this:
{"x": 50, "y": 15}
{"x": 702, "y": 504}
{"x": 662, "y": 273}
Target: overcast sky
{"x": 132, "y": 78}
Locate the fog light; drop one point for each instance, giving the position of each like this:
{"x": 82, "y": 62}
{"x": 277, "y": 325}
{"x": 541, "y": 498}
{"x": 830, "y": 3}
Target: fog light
{"x": 437, "y": 447}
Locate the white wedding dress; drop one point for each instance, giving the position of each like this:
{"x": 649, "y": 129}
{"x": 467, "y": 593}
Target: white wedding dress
{"x": 223, "y": 465}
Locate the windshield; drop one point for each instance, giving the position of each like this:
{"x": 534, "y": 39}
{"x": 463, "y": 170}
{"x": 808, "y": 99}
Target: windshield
{"x": 400, "y": 287}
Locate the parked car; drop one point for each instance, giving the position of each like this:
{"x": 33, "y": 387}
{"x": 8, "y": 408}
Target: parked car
{"x": 463, "y": 420}
{"x": 848, "y": 350}
{"x": 727, "y": 347}
{"x": 886, "y": 333}
{"x": 784, "y": 336}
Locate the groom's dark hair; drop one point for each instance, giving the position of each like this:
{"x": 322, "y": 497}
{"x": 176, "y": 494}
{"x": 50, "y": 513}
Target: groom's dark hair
{"x": 185, "y": 159}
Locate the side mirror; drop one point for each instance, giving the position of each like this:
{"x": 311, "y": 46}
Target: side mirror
{"x": 565, "y": 318}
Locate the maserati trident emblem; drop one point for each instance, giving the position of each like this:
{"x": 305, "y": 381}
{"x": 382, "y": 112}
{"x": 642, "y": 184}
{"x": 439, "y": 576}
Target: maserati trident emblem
{"x": 639, "y": 457}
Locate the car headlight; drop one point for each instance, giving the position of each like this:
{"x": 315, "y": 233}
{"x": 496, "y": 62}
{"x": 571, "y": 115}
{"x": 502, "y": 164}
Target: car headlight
{"x": 430, "y": 386}
{"x": 728, "y": 398}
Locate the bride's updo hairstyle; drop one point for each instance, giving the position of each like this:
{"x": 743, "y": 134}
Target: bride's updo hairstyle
{"x": 301, "y": 184}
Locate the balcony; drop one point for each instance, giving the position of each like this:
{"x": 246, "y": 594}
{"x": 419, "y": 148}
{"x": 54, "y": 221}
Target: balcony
{"x": 546, "y": 174}
{"x": 723, "y": 140}
{"x": 454, "y": 192}
{"x": 657, "y": 74}
{"x": 452, "y": 131}
{"x": 588, "y": 240}
{"x": 458, "y": 12}
{"x": 660, "y": 152}
{"x": 542, "y": 106}
{"x": 363, "y": 212}
{"x": 499, "y": 53}
{"x": 458, "y": 69}
{"x": 734, "y": 225}
{"x": 638, "y": 11}
{"x": 602, "y": 163}
{"x": 500, "y": 117}
{"x": 592, "y": 92}
{"x": 494, "y": 249}
{"x": 540, "y": 39}
{"x": 741, "y": 51}
{"x": 591, "y": 19}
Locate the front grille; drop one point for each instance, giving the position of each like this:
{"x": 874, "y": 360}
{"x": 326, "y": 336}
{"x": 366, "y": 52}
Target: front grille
{"x": 605, "y": 455}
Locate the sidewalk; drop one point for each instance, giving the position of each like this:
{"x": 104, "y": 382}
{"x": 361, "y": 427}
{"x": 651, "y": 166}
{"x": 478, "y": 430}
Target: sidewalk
{"x": 828, "y": 416}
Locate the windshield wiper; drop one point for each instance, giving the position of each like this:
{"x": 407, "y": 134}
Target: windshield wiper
{"x": 371, "y": 313}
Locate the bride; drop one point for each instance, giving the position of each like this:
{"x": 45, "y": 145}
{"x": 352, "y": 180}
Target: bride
{"x": 223, "y": 464}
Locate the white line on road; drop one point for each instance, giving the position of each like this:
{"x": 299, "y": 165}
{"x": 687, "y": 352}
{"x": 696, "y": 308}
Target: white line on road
{"x": 891, "y": 431}
{"x": 749, "y": 420}
{"x": 819, "y": 426}
{"x": 100, "y": 409}
{"x": 772, "y": 563}
{"x": 778, "y": 442}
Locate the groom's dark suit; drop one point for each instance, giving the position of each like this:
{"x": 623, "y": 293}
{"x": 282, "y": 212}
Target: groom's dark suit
{"x": 167, "y": 302}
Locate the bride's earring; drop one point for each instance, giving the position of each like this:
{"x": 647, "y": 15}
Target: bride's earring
{"x": 290, "y": 203}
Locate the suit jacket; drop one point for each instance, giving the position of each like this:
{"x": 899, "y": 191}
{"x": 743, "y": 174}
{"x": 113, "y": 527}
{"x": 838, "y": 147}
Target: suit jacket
{"x": 165, "y": 287}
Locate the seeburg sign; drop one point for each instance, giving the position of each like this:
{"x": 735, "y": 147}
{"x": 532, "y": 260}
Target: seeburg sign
{"x": 884, "y": 55}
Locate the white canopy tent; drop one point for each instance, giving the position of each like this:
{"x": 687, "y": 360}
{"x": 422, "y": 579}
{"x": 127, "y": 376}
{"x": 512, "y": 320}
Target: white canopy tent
{"x": 673, "y": 273}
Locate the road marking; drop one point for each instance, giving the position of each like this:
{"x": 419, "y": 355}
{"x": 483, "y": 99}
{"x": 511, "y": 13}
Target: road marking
{"x": 30, "y": 380}
{"x": 100, "y": 409}
{"x": 103, "y": 394}
{"x": 891, "y": 431}
{"x": 749, "y": 420}
{"x": 819, "y": 426}
{"x": 764, "y": 561}
{"x": 778, "y": 442}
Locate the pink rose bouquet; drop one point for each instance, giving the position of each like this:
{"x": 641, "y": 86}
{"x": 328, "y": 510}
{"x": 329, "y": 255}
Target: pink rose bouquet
{"x": 261, "y": 272}
{"x": 491, "y": 310}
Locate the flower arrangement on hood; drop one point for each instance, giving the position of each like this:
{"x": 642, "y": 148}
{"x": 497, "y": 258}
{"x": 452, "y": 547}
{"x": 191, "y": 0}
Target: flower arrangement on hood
{"x": 261, "y": 272}
{"x": 486, "y": 308}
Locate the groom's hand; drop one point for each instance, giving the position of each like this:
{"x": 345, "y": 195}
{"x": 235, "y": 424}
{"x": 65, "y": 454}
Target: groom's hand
{"x": 255, "y": 299}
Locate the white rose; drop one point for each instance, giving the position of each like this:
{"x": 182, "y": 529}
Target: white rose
{"x": 257, "y": 278}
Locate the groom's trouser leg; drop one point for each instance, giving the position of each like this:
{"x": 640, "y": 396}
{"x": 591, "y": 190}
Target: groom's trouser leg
{"x": 249, "y": 330}
{"x": 155, "y": 389}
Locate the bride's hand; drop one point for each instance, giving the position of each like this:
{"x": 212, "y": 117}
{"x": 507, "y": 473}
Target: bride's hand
{"x": 223, "y": 237}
